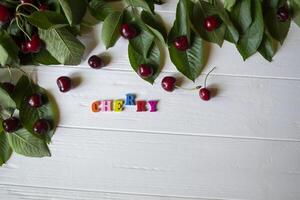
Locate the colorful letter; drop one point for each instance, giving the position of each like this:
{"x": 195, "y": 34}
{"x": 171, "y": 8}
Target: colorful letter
{"x": 153, "y": 105}
{"x": 130, "y": 99}
{"x": 141, "y": 106}
{"x": 118, "y": 105}
{"x": 96, "y": 106}
{"x": 106, "y": 105}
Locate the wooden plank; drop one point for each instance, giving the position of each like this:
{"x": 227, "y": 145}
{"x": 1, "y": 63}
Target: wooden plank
{"x": 243, "y": 107}
{"x": 16, "y": 192}
{"x": 166, "y": 165}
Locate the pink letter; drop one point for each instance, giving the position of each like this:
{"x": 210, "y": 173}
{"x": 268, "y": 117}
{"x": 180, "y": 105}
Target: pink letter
{"x": 106, "y": 105}
{"x": 153, "y": 105}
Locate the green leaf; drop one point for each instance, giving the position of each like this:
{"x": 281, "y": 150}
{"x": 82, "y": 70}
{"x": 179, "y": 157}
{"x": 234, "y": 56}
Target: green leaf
{"x": 8, "y": 50}
{"x": 183, "y": 18}
{"x": 251, "y": 40}
{"x": 154, "y": 23}
{"x": 62, "y": 45}
{"x": 100, "y": 9}
{"x": 145, "y": 4}
{"x": 45, "y": 58}
{"x": 47, "y": 20}
{"x": 154, "y": 60}
{"x": 5, "y": 149}
{"x": 295, "y": 6}
{"x": 7, "y": 105}
{"x": 29, "y": 115}
{"x": 228, "y": 4}
{"x": 267, "y": 47}
{"x": 74, "y": 10}
{"x": 142, "y": 42}
{"x": 111, "y": 29}
{"x": 24, "y": 143}
{"x": 202, "y": 10}
{"x": 241, "y": 15}
{"x": 276, "y": 28}
{"x": 190, "y": 62}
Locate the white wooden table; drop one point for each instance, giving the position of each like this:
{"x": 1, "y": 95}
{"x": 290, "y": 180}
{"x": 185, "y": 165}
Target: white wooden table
{"x": 243, "y": 144}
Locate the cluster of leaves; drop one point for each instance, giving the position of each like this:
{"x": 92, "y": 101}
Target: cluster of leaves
{"x": 57, "y": 27}
{"x": 252, "y": 25}
{"x": 24, "y": 140}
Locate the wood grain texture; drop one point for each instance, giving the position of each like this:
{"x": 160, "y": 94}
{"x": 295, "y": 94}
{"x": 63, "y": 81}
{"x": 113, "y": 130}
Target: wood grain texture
{"x": 163, "y": 165}
{"x": 242, "y": 145}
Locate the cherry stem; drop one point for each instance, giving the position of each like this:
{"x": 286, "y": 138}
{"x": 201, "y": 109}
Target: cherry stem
{"x": 208, "y": 75}
{"x": 196, "y": 88}
{"x": 21, "y": 28}
{"x": 26, "y": 4}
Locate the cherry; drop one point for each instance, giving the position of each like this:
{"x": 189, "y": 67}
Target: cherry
{"x": 211, "y": 23}
{"x": 128, "y": 31}
{"x": 283, "y": 14}
{"x": 41, "y": 126}
{"x": 64, "y": 83}
{"x": 145, "y": 71}
{"x": 4, "y": 14}
{"x": 34, "y": 44}
{"x": 27, "y": 1}
{"x": 11, "y": 124}
{"x": 181, "y": 43}
{"x": 204, "y": 94}
{"x": 95, "y": 62}
{"x": 9, "y": 87}
{"x": 43, "y": 7}
{"x": 23, "y": 48}
{"x": 35, "y": 100}
{"x": 168, "y": 83}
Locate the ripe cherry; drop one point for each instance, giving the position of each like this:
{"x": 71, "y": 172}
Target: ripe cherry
{"x": 95, "y": 62}
{"x": 41, "y": 126}
{"x": 23, "y": 48}
{"x": 34, "y": 44}
{"x": 181, "y": 43}
{"x": 9, "y": 87}
{"x": 35, "y": 100}
{"x": 43, "y": 7}
{"x": 11, "y": 124}
{"x": 128, "y": 31}
{"x": 283, "y": 14}
{"x": 145, "y": 71}
{"x": 64, "y": 83}
{"x": 204, "y": 94}
{"x": 211, "y": 23}
{"x": 168, "y": 83}
{"x": 4, "y": 14}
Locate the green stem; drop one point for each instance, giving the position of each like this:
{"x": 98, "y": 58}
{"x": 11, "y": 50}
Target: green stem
{"x": 208, "y": 75}
{"x": 21, "y": 28}
{"x": 26, "y": 4}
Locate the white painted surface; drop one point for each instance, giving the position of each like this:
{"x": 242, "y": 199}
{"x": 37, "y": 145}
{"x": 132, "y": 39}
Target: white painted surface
{"x": 243, "y": 144}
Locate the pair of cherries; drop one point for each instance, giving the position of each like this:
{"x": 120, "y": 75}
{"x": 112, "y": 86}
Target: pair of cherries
{"x": 168, "y": 83}
{"x": 12, "y": 124}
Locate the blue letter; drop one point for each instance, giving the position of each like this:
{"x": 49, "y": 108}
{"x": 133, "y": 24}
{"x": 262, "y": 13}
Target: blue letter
{"x": 130, "y": 99}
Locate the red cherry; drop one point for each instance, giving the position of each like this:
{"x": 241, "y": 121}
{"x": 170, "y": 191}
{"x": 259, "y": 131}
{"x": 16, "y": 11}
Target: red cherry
{"x": 9, "y": 87}
{"x": 35, "y": 100}
{"x": 23, "y": 48}
{"x": 4, "y": 14}
{"x": 283, "y": 14}
{"x": 43, "y": 7}
{"x": 168, "y": 83}
{"x": 27, "y": 1}
{"x": 34, "y": 45}
{"x": 211, "y": 23}
{"x": 11, "y": 124}
{"x": 64, "y": 83}
{"x": 204, "y": 94}
{"x": 128, "y": 31}
{"x": 181, "y": 43}
{"x": 95, "y": 62}
{"x": 145, "y": 71}
{"x": 41, "y": 127}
